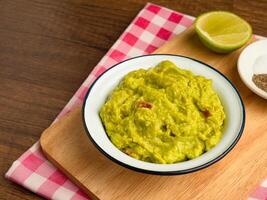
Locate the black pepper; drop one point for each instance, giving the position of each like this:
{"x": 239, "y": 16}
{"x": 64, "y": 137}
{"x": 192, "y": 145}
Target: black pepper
{"x": 260, "y": 81}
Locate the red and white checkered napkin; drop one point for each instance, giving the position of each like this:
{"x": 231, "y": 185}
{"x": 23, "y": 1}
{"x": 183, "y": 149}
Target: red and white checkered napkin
{"x": 153, "y": 26}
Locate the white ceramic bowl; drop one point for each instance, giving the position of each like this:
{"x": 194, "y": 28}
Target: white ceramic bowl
{"x": 103, "y": 86}
{"x": 247, "y": 65}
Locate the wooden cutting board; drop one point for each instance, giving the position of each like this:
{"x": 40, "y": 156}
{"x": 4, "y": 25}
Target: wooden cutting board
{"x": 67, "y": 146}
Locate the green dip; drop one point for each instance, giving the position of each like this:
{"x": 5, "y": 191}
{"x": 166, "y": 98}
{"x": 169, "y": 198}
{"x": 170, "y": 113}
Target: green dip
{"x": 163, "y": 115}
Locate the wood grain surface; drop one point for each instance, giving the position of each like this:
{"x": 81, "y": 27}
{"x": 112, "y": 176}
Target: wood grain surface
{"x": 48, "y": 48}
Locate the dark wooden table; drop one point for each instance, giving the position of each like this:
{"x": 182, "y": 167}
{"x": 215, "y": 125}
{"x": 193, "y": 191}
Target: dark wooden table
{"x": 47, "y": 48}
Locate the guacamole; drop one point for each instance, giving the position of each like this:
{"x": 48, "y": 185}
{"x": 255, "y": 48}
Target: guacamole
{"x": 163, "y": 115}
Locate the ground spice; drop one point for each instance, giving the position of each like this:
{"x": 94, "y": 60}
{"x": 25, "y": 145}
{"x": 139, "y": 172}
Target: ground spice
{"x": 260, "y": 81}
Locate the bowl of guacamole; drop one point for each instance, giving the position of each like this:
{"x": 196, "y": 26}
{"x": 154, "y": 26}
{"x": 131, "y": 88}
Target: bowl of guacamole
{"x": 163, "y": 114}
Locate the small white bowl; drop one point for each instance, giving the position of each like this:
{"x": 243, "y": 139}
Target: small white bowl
{"x": 103, "y": 86}
{"x": 247, "y": 63}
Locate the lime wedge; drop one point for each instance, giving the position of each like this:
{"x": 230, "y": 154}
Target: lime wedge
{"x": 222, "y": 31}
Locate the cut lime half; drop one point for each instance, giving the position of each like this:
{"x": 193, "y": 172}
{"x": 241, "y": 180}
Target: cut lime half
{"x": 222, "y": 31}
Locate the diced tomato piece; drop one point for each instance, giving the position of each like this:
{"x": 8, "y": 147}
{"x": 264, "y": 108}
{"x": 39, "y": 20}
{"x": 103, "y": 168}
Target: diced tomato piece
{"x": 206, "y": 113}
{"x": 144, "y": 104}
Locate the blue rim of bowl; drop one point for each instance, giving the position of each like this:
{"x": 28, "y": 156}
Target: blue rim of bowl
{"x": 167, "y": 173}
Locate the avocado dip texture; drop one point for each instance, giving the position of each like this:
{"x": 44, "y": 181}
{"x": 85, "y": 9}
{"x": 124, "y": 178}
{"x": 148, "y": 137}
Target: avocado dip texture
{"x": 163, "y": 115}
